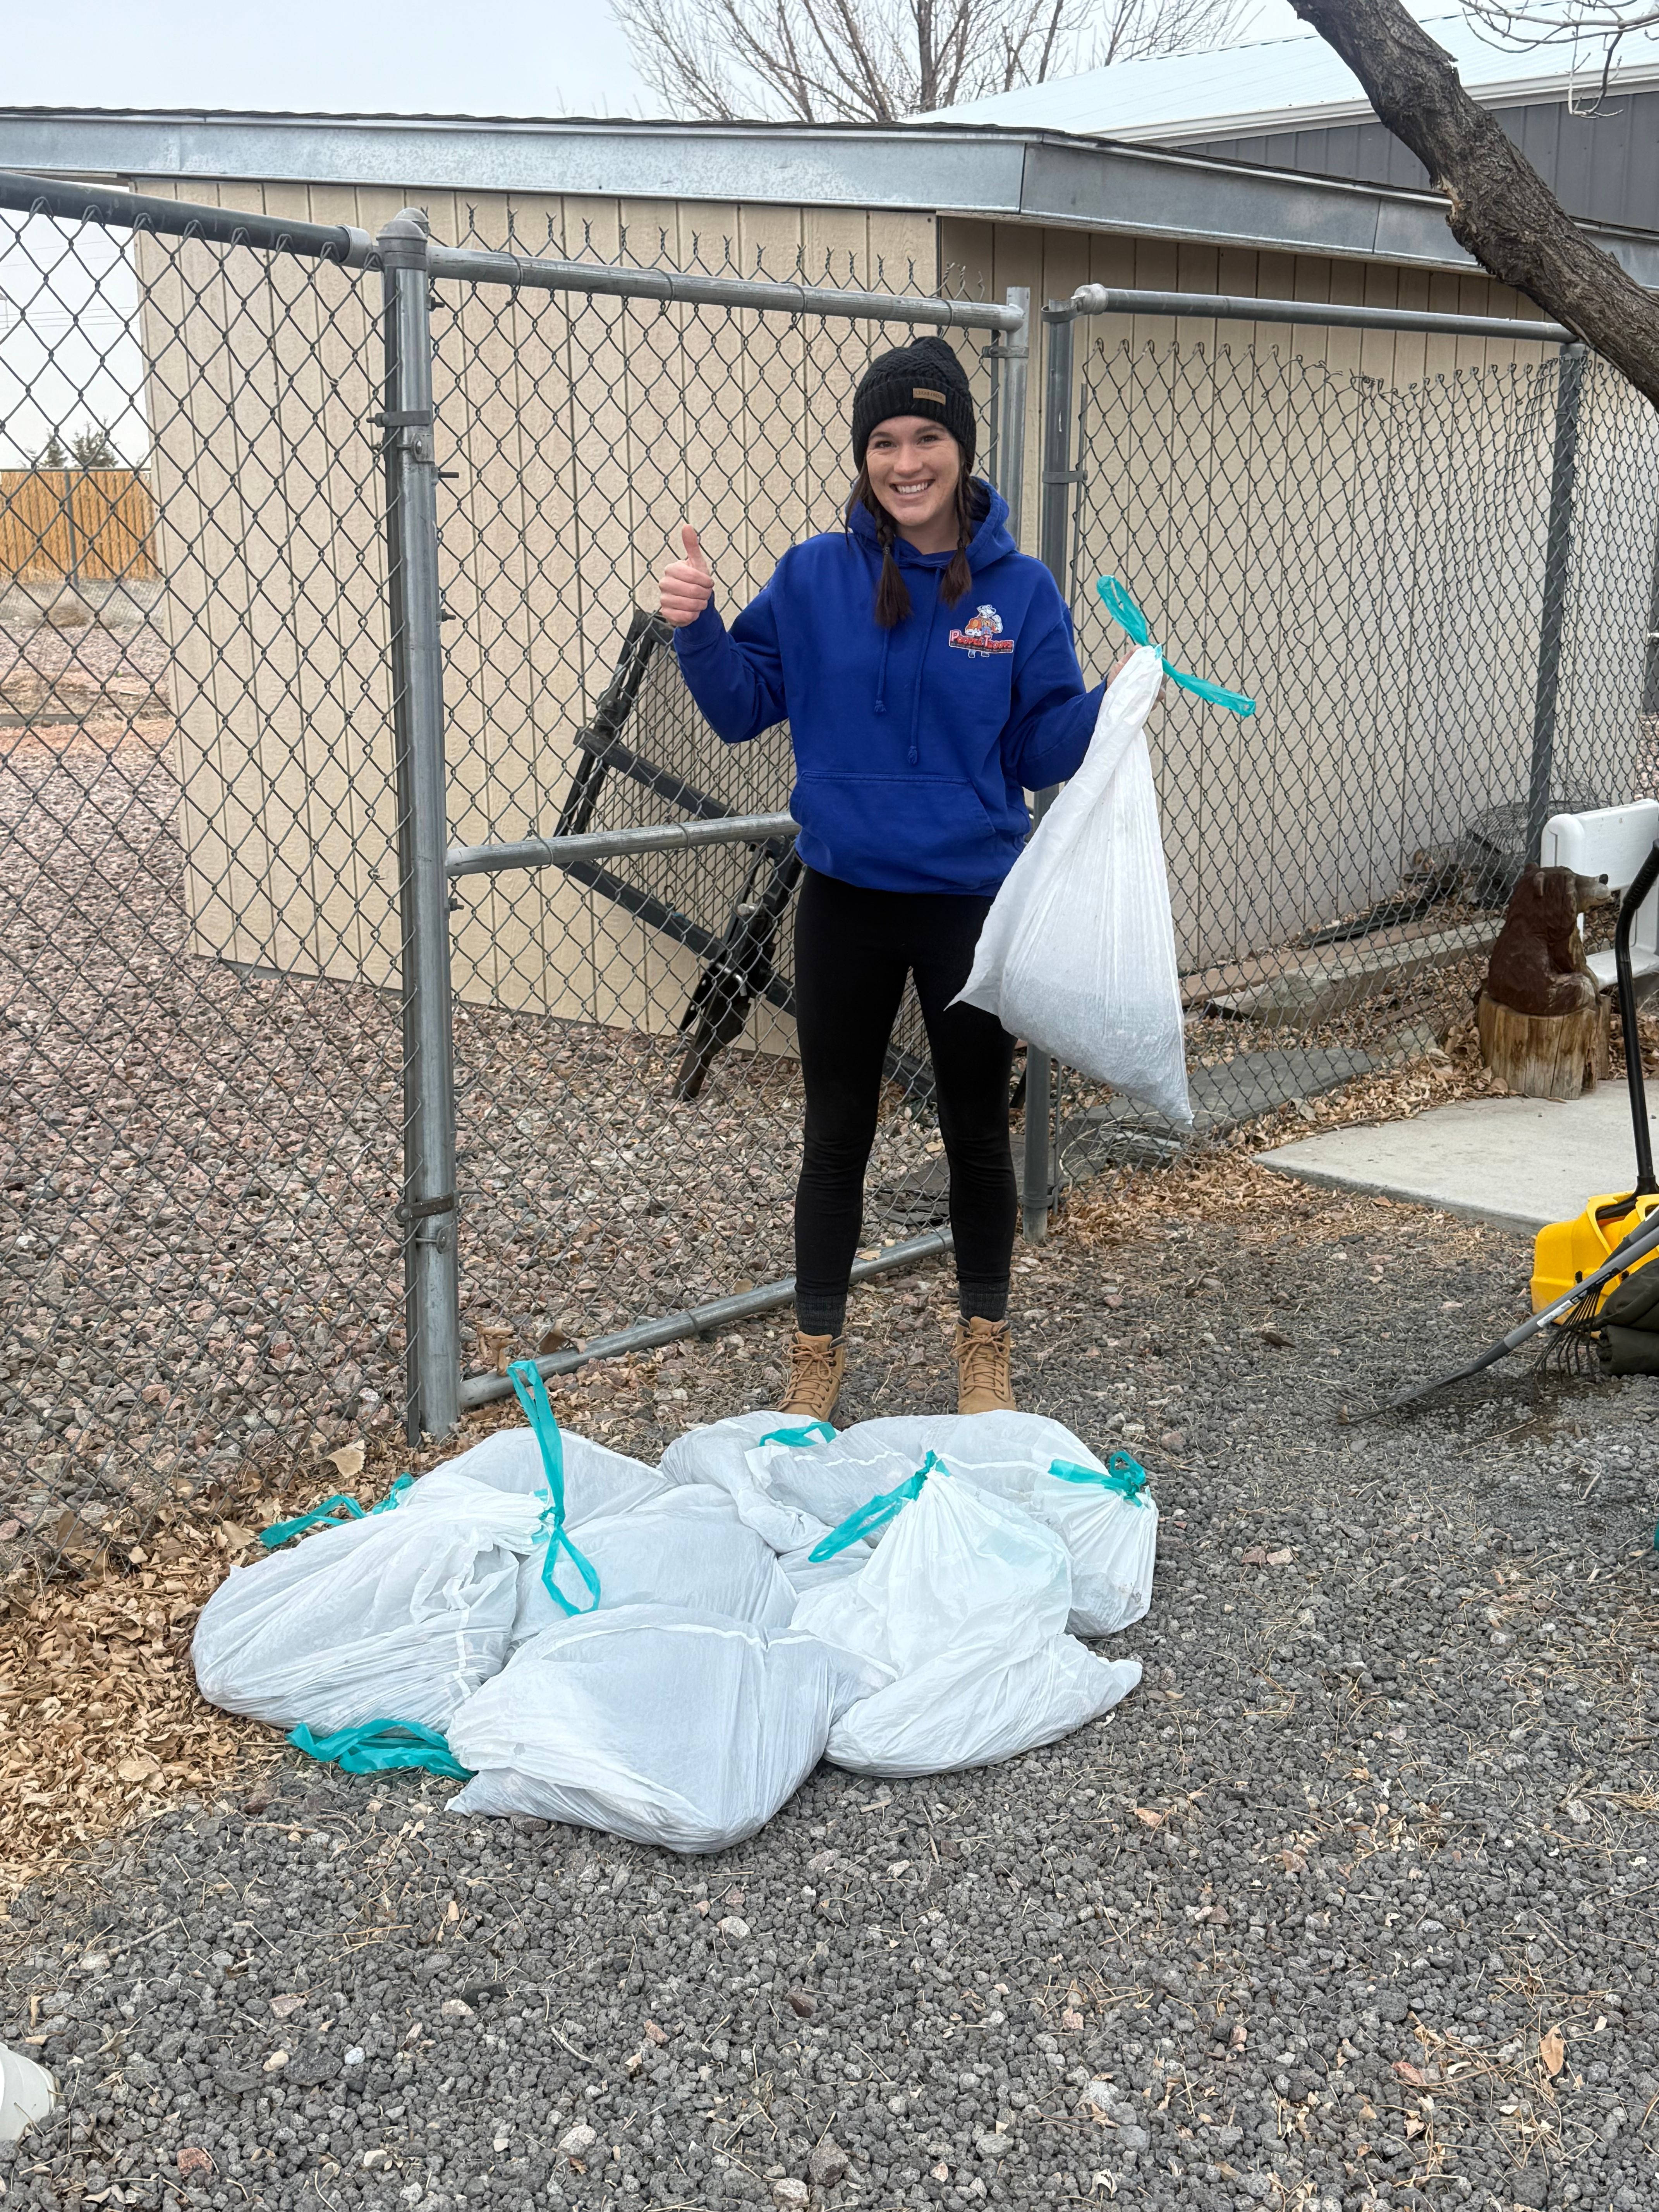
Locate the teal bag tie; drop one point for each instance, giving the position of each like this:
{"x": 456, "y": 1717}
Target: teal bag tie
{"x": 875, "y": 1513}
{"x": 814, "y": 1432}
{"x": 336, "y": 1511}
{"x": 1115, "y": 594}
{"x": 532, "y": 1393}
{"x": 1124, "y": 1475}
{"x": 380, "y": 1746}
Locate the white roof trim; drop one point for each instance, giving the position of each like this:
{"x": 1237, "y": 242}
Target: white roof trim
{"x": 1267, "y": 122}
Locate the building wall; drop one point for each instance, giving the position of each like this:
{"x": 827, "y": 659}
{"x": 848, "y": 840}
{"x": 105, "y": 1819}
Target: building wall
{"x": 1351, "y": 528}
{"x": 1603, "y": 166}
{"x": 582, "y": 431}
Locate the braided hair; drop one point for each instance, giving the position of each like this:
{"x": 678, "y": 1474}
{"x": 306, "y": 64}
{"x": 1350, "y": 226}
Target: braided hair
{"x": 892, "y": 597}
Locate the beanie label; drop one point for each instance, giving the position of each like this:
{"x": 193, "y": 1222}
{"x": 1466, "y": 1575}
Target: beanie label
{"x": 921, "y": 391}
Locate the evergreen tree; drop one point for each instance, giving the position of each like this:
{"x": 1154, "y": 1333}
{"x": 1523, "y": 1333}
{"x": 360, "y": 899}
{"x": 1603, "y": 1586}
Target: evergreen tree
{"x": 92, "y": 449}
{"x": 54, "y": 457}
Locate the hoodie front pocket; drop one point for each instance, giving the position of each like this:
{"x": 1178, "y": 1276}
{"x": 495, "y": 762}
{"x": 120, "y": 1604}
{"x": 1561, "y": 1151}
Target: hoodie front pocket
{"x": 926, "y": 825}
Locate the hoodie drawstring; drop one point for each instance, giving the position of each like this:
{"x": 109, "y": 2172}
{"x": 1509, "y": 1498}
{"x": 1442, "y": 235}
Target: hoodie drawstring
{"x": 921, "y": 667}
{"x": 881, "y": 673}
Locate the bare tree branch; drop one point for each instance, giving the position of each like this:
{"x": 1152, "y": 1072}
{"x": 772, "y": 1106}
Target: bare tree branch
{"x": 1593, "y": 29}
{"x": 878, "y": 61}
{"x": 1500, "y": 207}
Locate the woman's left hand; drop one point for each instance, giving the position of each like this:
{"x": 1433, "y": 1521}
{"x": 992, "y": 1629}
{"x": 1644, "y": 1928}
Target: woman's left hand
{"x": 1122, "y": 662}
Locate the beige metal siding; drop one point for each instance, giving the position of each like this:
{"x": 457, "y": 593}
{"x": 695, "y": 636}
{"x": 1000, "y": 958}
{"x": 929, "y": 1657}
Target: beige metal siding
{"x": 1244, "y": 450}
{"x": 583, "y": 431}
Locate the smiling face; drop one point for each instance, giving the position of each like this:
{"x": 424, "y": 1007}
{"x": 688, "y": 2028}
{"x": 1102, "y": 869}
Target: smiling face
{"x": 914, "y": 466}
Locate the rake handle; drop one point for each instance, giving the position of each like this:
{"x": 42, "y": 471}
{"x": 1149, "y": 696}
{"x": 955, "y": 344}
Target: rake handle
{"x": 1642, "y": 882}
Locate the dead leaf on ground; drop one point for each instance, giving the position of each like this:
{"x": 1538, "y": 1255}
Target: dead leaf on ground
{"x": 1552, "y": 2049}
{"x": 348, "y": 1462}
{"x": 655, "y": 2033}
{"x": 1407, "y": 2072}
{"x": 1153, "y": 1819}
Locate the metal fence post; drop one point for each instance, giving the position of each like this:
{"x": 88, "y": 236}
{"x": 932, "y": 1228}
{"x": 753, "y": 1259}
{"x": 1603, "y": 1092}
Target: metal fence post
{"x": 1013, "y": 356}
{"x": 1558, "y": 560}
{"x": 433, "y": 1361}
{"x": 1054, "y": 527}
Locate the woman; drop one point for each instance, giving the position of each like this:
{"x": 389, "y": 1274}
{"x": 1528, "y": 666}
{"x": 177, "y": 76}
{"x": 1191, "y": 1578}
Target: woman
{"x": 928, "y": 676}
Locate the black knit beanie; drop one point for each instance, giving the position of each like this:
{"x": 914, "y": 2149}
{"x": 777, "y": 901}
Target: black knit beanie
{"x": 924, "y": 379}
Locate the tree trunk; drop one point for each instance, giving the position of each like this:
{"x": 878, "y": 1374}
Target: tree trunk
{"x": 1545, "y": 1055}
{"x": 1500, "y": 207}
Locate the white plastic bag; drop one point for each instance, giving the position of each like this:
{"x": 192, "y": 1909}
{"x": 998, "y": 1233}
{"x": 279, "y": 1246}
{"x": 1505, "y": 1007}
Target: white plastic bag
{"x": 695, "y": 1560}
{"x": 931, "y": 1722}
{"x": 803, "y": 1572}
{"x": 399, "y": 1616}
{"x": 952, "y": 1560}
{"x": 1002, "y": 1452}
{"x": 597, "y": 1481}
{"x": 730, "y": 1456}
{"x": 1078, "y": 952}
{"x": 666, "y": 1727}
{"x": 965, "y": 1601}
{"x": 1108, "y": 1522}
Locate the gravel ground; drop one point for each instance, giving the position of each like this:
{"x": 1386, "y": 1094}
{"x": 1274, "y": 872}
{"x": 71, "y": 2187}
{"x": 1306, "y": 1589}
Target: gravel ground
{"x": 198, "y": 1173}
{"x": 1350, "y": 1905}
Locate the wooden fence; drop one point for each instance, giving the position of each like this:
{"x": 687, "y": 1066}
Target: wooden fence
{"x": 90, "y": 524}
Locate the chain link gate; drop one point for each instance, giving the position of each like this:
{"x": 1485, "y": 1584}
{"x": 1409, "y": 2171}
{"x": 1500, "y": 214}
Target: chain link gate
{"x": 1439, "y": 587}
{"x": 627, "y": 1102}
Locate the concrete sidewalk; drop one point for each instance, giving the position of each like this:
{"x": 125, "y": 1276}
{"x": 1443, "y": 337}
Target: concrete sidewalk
{"x": 1520, "y": 1162}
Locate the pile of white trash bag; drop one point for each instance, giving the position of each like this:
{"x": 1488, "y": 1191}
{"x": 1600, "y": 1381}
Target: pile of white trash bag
{"x": 666, "y": 1653}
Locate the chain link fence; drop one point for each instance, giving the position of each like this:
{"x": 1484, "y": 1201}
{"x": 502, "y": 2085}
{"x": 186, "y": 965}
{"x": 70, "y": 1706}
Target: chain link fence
{"x": 628, "y": 1100}
{"x": 1440, "y": 591}
{"x": 199, "y": 954}
{"x": 395, "y": 969}
{"x": 387, "y": 604}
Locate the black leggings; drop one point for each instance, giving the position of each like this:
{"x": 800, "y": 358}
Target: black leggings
{"x": 853, "y": 949}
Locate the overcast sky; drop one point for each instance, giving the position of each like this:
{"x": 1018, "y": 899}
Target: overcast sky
{"x": 557, "y": 56}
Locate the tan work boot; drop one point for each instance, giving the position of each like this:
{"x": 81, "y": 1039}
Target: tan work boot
{"x": 983, "y": 1382}
{"x": 817, "y": 1364}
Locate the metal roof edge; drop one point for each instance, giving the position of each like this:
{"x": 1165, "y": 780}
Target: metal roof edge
{"x": 979, "y": 171}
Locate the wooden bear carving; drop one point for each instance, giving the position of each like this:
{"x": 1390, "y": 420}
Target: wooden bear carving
{"x": 1538, "y": 963}
{"x": 1543, "y": 1023}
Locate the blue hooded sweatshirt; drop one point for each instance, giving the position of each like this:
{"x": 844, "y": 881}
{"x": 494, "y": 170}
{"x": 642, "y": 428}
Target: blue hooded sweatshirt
{"x": 913, "y": 746}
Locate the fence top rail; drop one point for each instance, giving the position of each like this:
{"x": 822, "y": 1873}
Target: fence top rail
{"x": 613, "y": 844}
{"x": 1114, "y": 299}
{"x": 465, "y": 264}
{"x": 73, "y": 202}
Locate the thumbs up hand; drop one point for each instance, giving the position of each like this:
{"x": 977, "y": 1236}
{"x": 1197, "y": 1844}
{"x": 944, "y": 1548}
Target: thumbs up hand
{"x": 686, "y": 585}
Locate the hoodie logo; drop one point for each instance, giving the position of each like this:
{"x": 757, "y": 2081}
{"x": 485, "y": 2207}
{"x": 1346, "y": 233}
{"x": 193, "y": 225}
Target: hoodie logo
{"x": 982, "y": 634}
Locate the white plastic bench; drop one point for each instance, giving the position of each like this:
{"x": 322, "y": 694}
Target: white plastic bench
{"x": 1611, "y": 841}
